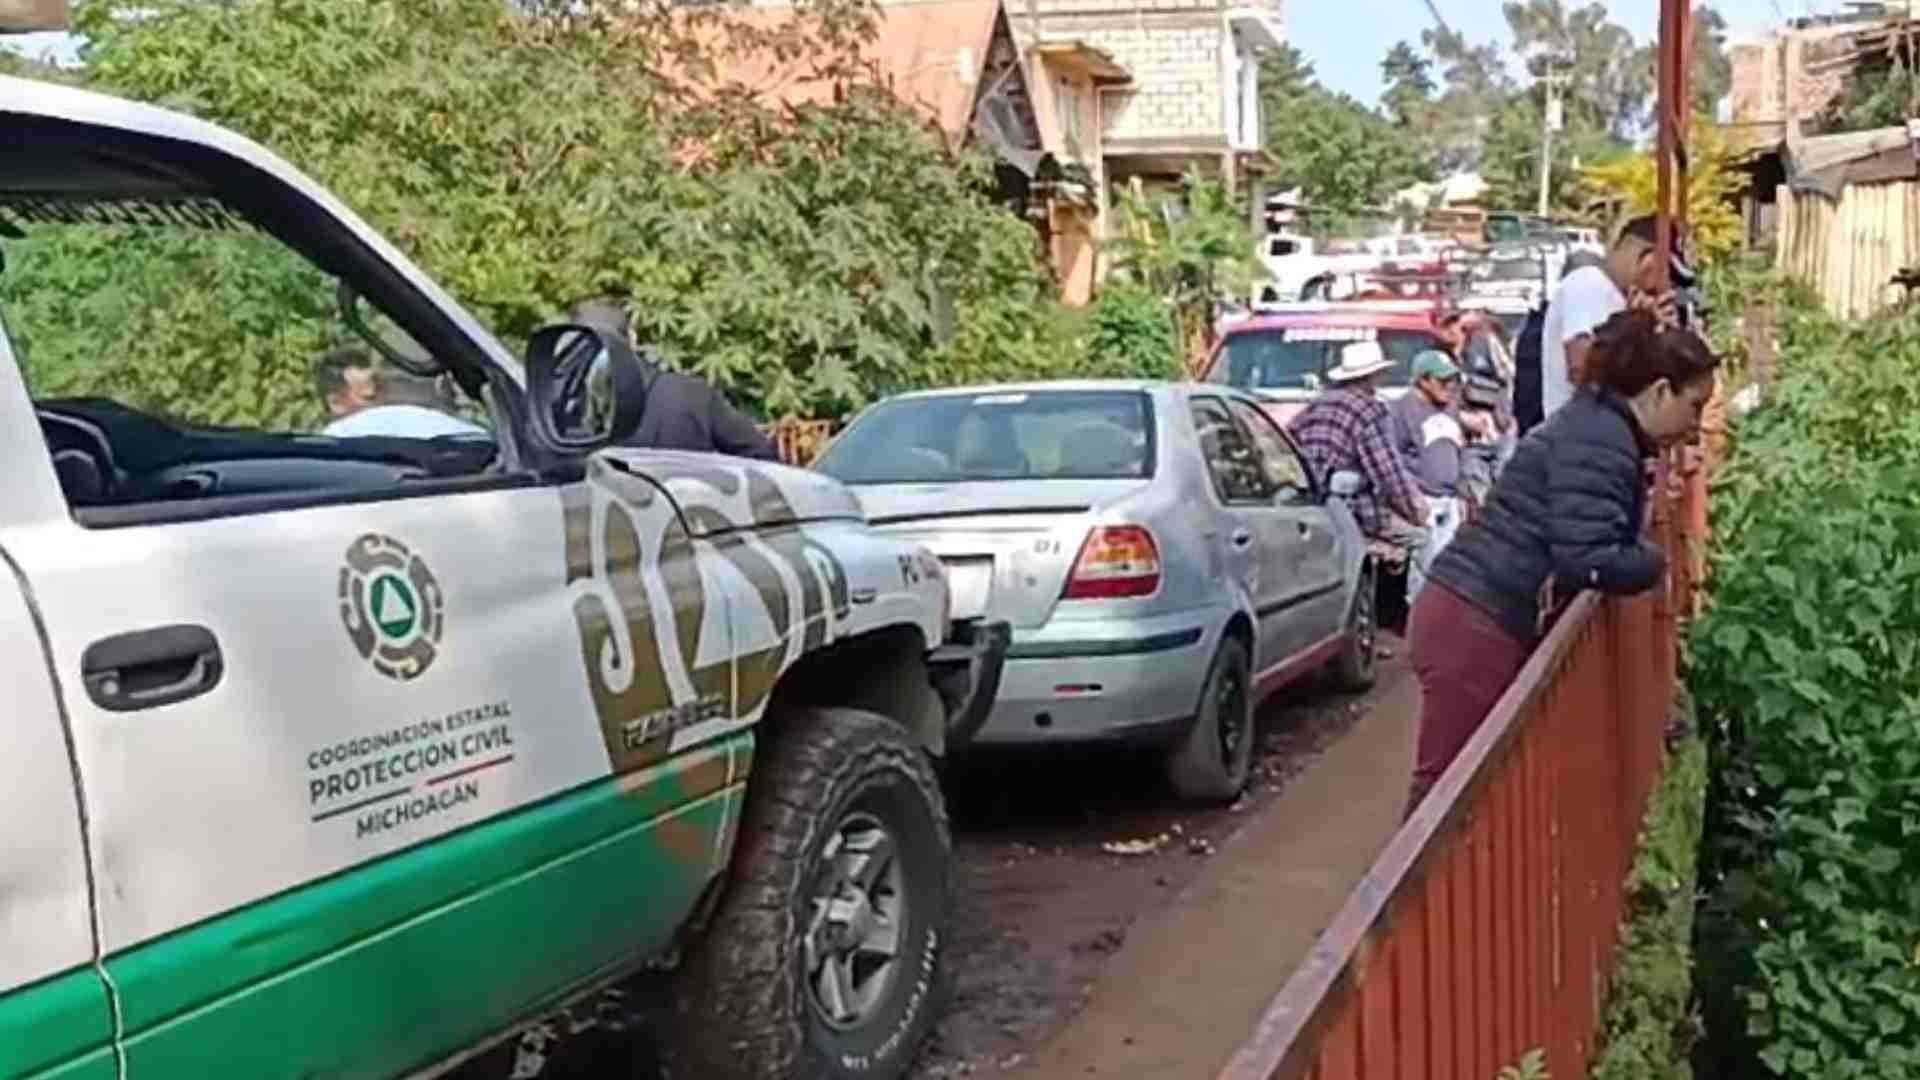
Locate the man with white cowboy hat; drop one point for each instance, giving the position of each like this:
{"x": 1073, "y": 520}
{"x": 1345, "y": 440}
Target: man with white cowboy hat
{"x": 1346, "y": 429}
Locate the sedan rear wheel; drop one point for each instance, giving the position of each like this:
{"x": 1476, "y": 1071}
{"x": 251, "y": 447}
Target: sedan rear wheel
{"x": 1354, "y": 670}
{"x": 1212, "y": 762}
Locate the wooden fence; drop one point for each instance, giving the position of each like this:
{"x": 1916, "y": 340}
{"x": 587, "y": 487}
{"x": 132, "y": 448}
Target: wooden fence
{"x": 1849, "y": 248}
{"x": 800, "y": 441}
{"x": 1487, "y": 927}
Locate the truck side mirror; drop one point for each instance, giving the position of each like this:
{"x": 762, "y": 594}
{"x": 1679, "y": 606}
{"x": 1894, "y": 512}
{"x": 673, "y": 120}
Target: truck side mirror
{"x": 586, "y": 389}
{"x": 1344, "y": 484}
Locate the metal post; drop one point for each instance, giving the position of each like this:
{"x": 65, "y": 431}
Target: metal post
{"x": 1671, "y": 108}
{"x": 1546, "y": 140}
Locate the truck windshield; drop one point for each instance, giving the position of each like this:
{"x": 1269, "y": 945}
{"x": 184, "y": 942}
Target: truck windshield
{"x": 1298, "y": 358}
{"x": 182, "y": 309}
{"x": 997, "y": 435}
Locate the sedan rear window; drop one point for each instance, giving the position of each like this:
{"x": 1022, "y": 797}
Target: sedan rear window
{"x": 1298, "y": 357}
{"x": 1025, "y": 435}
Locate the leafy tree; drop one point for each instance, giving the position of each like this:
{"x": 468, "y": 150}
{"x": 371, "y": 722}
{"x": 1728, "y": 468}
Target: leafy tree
{"x": 1881, "y": 91}
{"x": 1712, "y": 75}
{"x": 1346, "y": 156}
{"x": 806, "y": 258}
{"x": 1713, "y": 182}
{"x": 1601, "y": 93}
{"x": 1473, "y": 85}
{"x": 1409, "y": 85}
{"x": 1189, "y": 248}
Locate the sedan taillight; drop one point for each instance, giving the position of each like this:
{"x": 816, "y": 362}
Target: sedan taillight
{"x": 1115, "y": 561}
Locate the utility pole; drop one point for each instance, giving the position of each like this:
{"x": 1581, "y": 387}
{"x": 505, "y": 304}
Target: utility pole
{"x": 1550, "y": 124}
{"x": 1671, "y": 114}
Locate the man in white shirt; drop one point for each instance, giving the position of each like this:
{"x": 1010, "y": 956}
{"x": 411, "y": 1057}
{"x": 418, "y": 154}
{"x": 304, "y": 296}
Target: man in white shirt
{"x": 363, "y": 402}
{"x": 1587, "y": 297}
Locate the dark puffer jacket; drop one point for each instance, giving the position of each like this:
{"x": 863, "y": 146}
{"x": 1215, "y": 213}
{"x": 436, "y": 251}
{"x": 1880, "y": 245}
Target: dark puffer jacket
{"x": 1568, "y": 505}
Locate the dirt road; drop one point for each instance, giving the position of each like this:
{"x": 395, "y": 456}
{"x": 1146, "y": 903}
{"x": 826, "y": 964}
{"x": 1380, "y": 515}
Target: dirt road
{"x": 1092, "y": 905}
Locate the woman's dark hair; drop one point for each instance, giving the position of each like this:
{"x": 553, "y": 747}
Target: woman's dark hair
{"x": 1631, "y": 352}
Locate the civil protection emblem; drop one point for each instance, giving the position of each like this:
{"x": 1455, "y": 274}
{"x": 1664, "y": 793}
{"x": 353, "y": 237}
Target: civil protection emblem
{"x": 392, "y": 606}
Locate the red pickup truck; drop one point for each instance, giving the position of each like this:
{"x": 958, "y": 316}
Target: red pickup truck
{"x": 1283, "y": 357}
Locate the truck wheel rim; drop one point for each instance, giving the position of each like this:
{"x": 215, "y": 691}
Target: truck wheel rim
{"x": 859, "y": 914}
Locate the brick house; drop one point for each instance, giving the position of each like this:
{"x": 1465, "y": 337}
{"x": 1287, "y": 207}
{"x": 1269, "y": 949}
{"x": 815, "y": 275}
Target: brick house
{"x": 1066, "y": 80}
{"x": 1185, "y": 90}
{"x": 1194, "y": 94}
{"x": 1793, "y": 74}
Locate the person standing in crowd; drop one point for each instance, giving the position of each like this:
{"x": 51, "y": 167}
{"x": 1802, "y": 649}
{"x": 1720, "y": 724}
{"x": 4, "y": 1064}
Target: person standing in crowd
{"x": 363, "y": 399}
{"x": 1565, "y": 515}
{"x": 1483, "y": 401}
{"x": 1429, "y": 436}
{"x": 1586, "y": 297}
{"x": 1345, "y": 430}
{"x": 682, "y": 411}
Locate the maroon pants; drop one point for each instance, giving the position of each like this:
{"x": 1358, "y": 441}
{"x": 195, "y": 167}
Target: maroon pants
{"x": 1465, "y": 661}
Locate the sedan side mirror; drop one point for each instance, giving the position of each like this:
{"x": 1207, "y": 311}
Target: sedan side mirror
{"x": 586, "y": 389}
{"x": 1345, "y": 484}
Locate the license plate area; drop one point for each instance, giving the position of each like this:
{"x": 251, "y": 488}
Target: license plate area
{"x": 970, "y": 584}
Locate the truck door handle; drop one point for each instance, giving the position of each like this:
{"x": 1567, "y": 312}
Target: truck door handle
{"x": 148, "y": 668}
{"x": 1241, "y": 538}
{"x": 1306, "y": 530}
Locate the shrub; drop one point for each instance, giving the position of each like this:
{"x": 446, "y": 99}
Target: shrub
{"x": 1649, "y": 1028}
{"x": 804, "y": 259}
{"x": 1806, "y": 672}
{"x": 1131, "y": 335}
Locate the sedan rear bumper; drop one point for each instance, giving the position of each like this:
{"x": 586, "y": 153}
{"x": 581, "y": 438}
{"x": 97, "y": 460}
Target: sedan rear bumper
{"x": 966, "y": 673}
{"x": 1100, "y": 681}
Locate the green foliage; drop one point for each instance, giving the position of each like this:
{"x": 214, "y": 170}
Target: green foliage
{"x": 1454, "y": 104}
{"x": 1806, "y": 671}
{"x": 1132, "y": 335}
{"x": 1188, "y": 247}
{"x": 216, "y": 328}
{"x": 1532, "y": 1066}
{"x": 804, "y": 258}
{"x": 1346, "y": 156}
{"x": 1880, "y": 91}
{"x": 1649, "y": 1027}
{"x": 1714, "y": 183}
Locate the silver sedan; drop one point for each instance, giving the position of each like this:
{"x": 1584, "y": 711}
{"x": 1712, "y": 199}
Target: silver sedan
{"x": 1162, "y": 552}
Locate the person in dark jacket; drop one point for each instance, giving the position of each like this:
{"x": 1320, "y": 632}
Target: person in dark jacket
{"x": 682, "y": 412}
{"x": 1527, "y": 409}
{"x": 1565, "y": 516}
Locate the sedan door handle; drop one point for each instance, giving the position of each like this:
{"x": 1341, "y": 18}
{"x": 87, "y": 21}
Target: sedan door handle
{"x": 1241, "y": 538}
{"x": 149, "y": 668}
{"x": 1306, "y": 530}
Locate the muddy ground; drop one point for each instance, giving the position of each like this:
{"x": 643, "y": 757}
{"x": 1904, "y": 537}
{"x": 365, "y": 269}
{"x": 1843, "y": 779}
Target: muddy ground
{"x": 1059, "y": 853}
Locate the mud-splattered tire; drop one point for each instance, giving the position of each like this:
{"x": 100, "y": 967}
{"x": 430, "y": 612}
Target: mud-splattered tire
{"x": 1212, "y": 761}
{"x": 1354, "y": 669}
{"x": 835, "y": 789}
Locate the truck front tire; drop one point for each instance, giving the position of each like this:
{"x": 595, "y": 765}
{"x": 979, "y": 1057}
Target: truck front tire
{"x": 826, "y": 957}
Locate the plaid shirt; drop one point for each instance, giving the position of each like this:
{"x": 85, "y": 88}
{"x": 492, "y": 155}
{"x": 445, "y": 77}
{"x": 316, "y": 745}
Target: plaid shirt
{"x": 1346, "y": 429}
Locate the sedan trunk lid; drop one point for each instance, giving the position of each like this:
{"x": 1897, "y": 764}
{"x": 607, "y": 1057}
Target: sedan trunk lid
{"x": 1007, "y": 545}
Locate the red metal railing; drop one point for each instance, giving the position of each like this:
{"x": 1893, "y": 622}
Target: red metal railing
{"x": 799, "y": 441}
{"x": 1487, "y": 926}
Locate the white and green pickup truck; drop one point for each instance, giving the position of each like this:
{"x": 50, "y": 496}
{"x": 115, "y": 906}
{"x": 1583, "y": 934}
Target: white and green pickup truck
{"x": 344, "y": 756}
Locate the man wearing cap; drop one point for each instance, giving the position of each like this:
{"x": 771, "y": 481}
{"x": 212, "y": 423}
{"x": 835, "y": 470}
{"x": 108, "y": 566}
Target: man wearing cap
{"x": 1345, "y": 429}
{"x": 1429, "y": 436}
